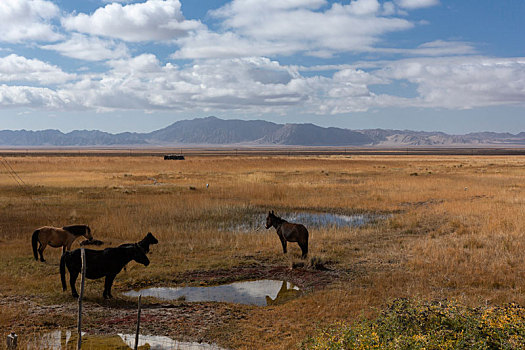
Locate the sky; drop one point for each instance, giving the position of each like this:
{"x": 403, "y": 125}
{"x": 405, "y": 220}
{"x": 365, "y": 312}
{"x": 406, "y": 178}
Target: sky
{"x": 116, "y": 66}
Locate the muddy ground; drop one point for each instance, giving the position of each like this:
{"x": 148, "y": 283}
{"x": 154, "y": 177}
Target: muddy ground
{"x": 208, "y": 322}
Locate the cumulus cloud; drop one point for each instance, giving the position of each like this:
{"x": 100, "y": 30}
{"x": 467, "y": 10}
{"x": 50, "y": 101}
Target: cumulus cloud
{"x": 89, "y": 48}
{"x": 207, "y": 44}
{"x": 147, "y": 21}
{"x": 277, "y": 27}
{"x": 27, "y": 20}
{"x": 257, "y": 84}
{"x": 18, "y": 68}
{"x": 33, "y": 97}
{"x": 143, "y": 82}
{"x": 462, "y": 82}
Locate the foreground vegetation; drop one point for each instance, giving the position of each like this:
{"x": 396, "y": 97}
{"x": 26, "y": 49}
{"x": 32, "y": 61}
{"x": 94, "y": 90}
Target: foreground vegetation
{"x": 453, "y": 230}
{"x": 407, "y": 324}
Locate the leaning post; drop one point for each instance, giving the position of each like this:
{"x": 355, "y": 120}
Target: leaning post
{"x": 79, "y": 325}
{"x": 138, "y": 325}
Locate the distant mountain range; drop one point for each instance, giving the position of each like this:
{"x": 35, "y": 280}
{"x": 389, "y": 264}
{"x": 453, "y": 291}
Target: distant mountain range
{"x": 215, "y": 131}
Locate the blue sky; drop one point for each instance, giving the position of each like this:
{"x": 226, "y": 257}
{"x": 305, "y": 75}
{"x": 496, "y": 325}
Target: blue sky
{"x": 434, "y": 65}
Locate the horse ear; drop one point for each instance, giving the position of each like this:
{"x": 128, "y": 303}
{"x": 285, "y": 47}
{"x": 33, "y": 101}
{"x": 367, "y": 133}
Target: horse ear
{"x": 272, "y": 212}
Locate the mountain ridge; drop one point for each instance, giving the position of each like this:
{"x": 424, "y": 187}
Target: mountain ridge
{"x": 214, "y": 131}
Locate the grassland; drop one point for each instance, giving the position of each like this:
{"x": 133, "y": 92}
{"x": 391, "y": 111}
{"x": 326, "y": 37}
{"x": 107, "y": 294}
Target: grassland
{"x": 456, "y": 232}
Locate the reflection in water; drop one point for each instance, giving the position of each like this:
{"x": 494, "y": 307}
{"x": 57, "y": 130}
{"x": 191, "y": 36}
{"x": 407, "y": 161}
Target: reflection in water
{"x": 310, "y": 220}
{"x": 249, "y": 292}
{"x": 59, "y": 340}
{"x": 287, "y": 292}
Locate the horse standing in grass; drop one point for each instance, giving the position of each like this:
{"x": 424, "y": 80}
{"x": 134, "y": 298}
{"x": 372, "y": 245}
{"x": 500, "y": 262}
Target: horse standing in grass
{"x": 144, "y": 243}
{"x": 100, "y": 263}
{"x": 289, "y": 232}
{"x": 57, "y": 237}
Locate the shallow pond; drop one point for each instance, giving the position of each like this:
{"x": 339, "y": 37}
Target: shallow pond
{"x": 261, "y": 292}
{"x": 310, "y": 220}
{"x": 60, "y": 339}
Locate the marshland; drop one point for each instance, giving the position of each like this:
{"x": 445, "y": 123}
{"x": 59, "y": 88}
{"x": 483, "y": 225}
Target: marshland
{"x": 444, "y": 227}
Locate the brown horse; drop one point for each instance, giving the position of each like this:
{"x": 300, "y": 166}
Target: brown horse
{"x": 290, "y": 232}
{"x": 57, "y": 237}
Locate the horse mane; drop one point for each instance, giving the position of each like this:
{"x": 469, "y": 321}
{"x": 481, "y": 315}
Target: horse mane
{"x": 77, "y": 230}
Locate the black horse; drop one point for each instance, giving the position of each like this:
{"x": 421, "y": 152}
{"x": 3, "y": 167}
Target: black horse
{"x": 290, "y": 232}
{"x": 99, "y": 263}
{"x": 144, "y": 243}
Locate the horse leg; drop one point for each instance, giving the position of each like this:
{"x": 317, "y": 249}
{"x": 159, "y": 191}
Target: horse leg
{"x": 72, "y": 280}
{"x": 304, "y": 249}
{"x": 283, "y": 242}
{"x": 41, "y": 251}
{"x": 107, "y": 286}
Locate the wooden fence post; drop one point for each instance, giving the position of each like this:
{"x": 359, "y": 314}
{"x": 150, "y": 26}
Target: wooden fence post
{"x": 12, "y": 341}
{"x": 138, "y": 325}
{"x": 79, "y": 326}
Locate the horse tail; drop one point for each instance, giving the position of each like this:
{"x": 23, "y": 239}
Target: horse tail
{"x": 34, "y": 242}
{"x": 63, "y": 270}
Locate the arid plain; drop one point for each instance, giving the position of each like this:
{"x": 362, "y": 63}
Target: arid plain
{"x": 449, "y": 227}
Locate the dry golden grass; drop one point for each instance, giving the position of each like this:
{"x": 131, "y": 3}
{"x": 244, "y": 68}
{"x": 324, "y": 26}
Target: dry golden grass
{"x": 457, "y": 229}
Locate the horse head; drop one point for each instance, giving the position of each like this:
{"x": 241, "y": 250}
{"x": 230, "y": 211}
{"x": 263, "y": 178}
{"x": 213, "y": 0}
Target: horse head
{"x": 88, "y": 234}
{"x": 139, "y": 255}
{"x": 150, "y": 239}
{"x": 270, "y": 219}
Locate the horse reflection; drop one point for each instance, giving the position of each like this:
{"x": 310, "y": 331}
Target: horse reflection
{"x": 285, "y": 294}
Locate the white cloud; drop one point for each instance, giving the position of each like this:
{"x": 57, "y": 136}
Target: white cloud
{"x": 27, "y": 20}
{"x": 207, "y": 44}
{"x": 433, "y": 48}
{"x": 88, "y": 48}
{"x": 143, "y": 83}
{"x": 275, "y": 27}
{"x": 262, "y": 85}
{"x": 18, "y": 68}
{"x": 148, "y": 21}
{"x": 364, "y": 7}
{"x": 33, "y": 97}
{"x": 462, "y": 82}
{"x": 415, "y": 4}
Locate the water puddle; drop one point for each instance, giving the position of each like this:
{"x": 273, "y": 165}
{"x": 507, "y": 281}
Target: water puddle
{"x": 59, "y": 340}
{"x": 310, "y": 220}
{"x": 261, "y": 292}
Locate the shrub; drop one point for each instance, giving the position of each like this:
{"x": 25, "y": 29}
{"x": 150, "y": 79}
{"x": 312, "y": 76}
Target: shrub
{"x": 408, "y": 324}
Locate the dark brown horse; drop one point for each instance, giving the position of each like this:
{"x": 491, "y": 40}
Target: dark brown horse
{"x": 100, "y": 263}
{"x": 289, "y": 232}
{"x": 57, "y": 237}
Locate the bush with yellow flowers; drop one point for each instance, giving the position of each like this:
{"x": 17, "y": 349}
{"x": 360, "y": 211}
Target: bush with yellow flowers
{"x": 409, "y": 324}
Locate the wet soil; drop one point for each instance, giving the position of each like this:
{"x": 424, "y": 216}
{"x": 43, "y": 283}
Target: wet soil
{"x": 181, "y": 320}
